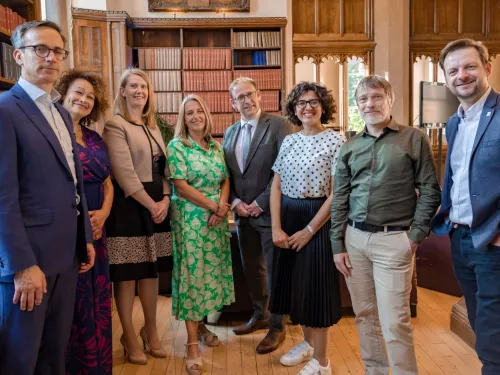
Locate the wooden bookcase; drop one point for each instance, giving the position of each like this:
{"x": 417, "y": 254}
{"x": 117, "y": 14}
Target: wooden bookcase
{"x": 211, "y": 52}
{"x": 12, "y": 13}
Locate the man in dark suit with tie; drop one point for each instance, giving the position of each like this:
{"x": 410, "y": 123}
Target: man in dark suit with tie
{"x": 251, "y": 146}
{"x": 470, "y": 209}
{"x": 45, "y": 233}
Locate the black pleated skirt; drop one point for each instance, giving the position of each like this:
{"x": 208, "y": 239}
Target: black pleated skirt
{"x": 306, "y": 283}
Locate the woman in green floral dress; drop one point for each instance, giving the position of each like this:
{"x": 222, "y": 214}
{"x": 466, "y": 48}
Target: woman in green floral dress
{"x": 202, "y": 278}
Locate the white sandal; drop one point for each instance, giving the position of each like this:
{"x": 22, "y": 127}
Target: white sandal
{"x": 190, "y": 363}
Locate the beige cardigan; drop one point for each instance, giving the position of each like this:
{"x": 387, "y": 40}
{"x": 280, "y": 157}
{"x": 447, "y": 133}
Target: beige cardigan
{"x": 130, "y": 153}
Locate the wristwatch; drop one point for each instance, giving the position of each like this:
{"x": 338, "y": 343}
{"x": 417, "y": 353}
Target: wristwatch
{"x": 310, "y": 229}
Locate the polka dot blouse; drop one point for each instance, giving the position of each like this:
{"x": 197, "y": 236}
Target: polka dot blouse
{"x": 306, "y": 163}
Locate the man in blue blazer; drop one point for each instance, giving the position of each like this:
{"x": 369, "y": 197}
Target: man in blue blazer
{"x": 470, "y": 208}
{"x": 45, "y": 233}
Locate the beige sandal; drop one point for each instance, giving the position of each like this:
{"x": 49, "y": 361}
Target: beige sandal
{"x": 208, "y": 338}
{"x": 190, "y": 363}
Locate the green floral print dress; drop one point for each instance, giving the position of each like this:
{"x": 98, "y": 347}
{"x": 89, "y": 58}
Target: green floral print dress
{"x": 202, "y": 278}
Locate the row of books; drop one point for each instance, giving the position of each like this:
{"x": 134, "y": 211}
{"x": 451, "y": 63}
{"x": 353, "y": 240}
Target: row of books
{"x": 10, "y": 69}
{"x": 220, "y": 122}
{"x": 270, "y": 101}
{"x": 206, "y": 59}
{"x": 209, "y": 80}
{"x": 260, "y": 58}
{"x": 266, "y": 79}
{"x": 218, "y": 102}
{"x": 170, "y": 117}
{"x": 159, "y": 58}
{"x": 9, "y": 20}
{"x": 165, "y": 80}
{"x": 248, "y": 39}
{"x": 168, "y": 101}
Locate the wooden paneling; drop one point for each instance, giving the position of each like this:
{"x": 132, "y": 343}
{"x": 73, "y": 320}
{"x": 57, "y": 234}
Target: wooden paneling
{"x": 446, "y": 20}
{"x": 91, "y": 47}
{"x": 304, "y": 16}
{"x": 422, "y": 17}
{"x": 475, "y": 17}
{"x": 448, "y": 13}
{"x": 156, "y": 38}
{"x": 89, "y": 39}
{"x": 332, "y": 20}
{"x": 493, "y": 19}
{"x": 354, "y": 17}
{"x": 118, "y": 56}
{"x": 329, "y": 21}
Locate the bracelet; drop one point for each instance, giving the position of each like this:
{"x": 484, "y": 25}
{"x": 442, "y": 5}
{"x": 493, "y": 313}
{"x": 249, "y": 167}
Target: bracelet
{"x": 167, "y": 195}
{"x": 309, "y": 229}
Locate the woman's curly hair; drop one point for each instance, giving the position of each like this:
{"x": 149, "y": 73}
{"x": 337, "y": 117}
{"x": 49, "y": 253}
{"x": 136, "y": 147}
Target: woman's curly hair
{"x": 100, "y": 92}
{"x": 328, "y": 106}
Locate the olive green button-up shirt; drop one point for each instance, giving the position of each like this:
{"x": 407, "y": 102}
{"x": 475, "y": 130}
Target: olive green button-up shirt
{"x": 375, "y": 182}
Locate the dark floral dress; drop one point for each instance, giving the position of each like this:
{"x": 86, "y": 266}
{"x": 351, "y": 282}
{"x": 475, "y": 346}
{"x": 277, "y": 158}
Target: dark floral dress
{"x": 89, "y": 350}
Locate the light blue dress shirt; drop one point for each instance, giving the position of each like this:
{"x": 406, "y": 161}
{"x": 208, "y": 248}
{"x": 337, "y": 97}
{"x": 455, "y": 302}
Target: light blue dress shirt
{"x": 461, "y": 208}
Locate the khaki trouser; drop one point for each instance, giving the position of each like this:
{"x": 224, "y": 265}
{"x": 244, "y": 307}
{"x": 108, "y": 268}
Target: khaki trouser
{"x": 380, "y": 286}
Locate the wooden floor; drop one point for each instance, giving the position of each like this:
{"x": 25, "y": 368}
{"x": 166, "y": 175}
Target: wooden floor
{"x": 438, "y": 350}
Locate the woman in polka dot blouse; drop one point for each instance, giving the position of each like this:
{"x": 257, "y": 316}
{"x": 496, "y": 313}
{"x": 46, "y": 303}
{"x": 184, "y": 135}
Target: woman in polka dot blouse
{"x": 305, "y": 280}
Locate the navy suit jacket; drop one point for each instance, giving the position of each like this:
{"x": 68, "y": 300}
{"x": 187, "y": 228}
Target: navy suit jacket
{"x": 39, "y": 224}
{"x": 484, "y": 177}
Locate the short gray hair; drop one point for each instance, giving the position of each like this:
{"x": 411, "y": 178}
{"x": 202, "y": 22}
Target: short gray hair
{"x": 375, "y": 82}
{"x": 239, "y": 80}
{"x": 17, "y": 38}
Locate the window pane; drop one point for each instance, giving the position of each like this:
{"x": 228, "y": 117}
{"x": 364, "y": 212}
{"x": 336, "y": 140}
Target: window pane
{"x": 355, "y": 72}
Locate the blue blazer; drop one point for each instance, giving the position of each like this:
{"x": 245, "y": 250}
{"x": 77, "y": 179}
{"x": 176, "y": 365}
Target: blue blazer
{"x": 38, "y": 212}
{"x": 484, "y": 177}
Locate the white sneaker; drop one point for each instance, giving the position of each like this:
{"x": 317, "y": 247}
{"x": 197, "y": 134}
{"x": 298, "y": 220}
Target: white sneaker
{"x": 301, "y": 353}
{"x": 313, "y": 368}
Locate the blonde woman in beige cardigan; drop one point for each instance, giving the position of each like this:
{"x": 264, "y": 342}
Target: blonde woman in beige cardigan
{"x": 138, "y": 227}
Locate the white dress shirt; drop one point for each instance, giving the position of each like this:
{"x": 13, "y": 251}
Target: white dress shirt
{"x": 239, "y": 146}
{"x": 45, "y": 103}
{"x": 461, "y": 207}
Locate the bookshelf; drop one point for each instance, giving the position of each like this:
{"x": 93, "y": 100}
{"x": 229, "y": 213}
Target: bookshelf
{"x": 203, "y": 56}
{"x": 12, "y": 14}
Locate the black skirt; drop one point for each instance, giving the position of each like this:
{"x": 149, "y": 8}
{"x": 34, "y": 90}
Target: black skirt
{"x": 138, "y": 248}
{"x": 306, "y": 283}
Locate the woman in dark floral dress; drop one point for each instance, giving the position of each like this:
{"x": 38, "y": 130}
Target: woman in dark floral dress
{"x": 89, "y": 350}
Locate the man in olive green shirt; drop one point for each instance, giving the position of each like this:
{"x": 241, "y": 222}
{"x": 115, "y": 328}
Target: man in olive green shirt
{"x": 378, "y": 221}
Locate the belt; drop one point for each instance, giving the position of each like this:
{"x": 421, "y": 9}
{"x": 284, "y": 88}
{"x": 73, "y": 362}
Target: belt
{"x": 463, "y": 226}
{"x": 375, "y": 228}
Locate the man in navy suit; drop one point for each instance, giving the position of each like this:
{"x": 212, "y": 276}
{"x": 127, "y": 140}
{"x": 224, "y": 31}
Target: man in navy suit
{"x": 470, "y": 209}
{"x": 45, "y": 233}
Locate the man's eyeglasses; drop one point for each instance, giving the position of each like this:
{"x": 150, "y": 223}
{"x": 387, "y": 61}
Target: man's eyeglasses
{"x": 43, "y": 51}
{"x": 241, "y": 98}
{"x": 303, "y": 103}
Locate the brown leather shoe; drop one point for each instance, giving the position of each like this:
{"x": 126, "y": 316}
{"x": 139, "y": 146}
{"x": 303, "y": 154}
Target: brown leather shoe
{"x": 252, "y": 325}
{"x": 271, "y": 342}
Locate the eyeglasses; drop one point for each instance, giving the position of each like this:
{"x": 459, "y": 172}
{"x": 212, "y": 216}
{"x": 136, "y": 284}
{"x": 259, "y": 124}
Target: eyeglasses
{"x": 42, "y": 50}
{"x": 303, "y": 103}
{"x": 241, "y": 98}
